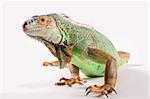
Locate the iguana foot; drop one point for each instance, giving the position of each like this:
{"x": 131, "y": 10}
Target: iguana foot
{"x": 46, "y": 63}
{"x": 53, "y": 63}
{"x": 70, "y": 81}
{"x": 100, "y": 90}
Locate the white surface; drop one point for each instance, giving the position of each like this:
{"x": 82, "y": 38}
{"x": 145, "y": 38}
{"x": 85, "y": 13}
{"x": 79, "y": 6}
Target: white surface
{"x": 125, "y": 23}
{"x": 131, "y": 84}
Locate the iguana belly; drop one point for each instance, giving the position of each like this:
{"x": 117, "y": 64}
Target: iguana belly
{"x": 88, "y": 67}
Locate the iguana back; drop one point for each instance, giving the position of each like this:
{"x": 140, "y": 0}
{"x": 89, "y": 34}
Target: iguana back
{"x": 84, "y": 38}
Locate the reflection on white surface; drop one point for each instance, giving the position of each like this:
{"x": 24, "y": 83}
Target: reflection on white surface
{"x": 131, "y": 84}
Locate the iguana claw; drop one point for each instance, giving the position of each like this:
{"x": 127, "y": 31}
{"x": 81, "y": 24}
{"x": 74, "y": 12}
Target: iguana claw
{"x": 88, "y": 93}
{"x": 70, "y": 81}
{"x": 87, "y": 88}
{"x": 100, "y": 90}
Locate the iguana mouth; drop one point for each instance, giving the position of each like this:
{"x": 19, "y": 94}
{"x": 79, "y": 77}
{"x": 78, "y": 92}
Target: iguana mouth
{"x": 31, "y": 31}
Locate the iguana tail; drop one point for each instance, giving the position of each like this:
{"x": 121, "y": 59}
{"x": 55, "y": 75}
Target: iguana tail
{"x": 124, "y": 56}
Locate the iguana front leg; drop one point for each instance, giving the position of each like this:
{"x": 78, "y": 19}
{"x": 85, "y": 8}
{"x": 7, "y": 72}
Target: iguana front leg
{"x": 110, "y": 73}
{"x": 52, "y": 49}
{"x": 62, "y": 52}
{"x": 75, "y": 78}
{"x": 65, "y": 53}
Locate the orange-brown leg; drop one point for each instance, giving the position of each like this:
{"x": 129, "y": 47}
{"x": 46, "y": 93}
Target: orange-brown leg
{"x": 110, "y": 80}
{"x": 75, "y": 78}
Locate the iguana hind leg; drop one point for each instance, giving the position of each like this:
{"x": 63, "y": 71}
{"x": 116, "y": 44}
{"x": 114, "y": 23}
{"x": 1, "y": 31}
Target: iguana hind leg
{"x": 110, "y": 73}
{"x": 75, "y": 78}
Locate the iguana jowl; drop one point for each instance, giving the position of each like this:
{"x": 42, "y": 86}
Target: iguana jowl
{"x": 79, "y": 47}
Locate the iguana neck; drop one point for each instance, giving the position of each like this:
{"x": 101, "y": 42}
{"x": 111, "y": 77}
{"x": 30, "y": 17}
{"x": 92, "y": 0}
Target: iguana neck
{"x": 58, "y": 20}
{"x": 72, "y": 33}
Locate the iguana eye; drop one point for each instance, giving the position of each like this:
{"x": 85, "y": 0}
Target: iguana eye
{"x": 42, "y": 19}
{"x": 45, "y": 21}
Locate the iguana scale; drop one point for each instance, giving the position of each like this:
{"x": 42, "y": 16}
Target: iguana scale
{"x": 78, "y": 47}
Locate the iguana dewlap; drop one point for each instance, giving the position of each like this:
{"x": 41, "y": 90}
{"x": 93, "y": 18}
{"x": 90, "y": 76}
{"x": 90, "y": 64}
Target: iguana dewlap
{"x": 79, "y": 47}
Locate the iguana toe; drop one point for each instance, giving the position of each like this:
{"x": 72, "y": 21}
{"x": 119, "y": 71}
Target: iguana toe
{"x": 46, "y": 63}
{"x": 100, "y": 90}
{"x": 70, "y": 81}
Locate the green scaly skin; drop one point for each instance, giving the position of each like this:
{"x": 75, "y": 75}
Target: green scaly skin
{"x": 80, "y": 47}
{"x": 85, "y": 37}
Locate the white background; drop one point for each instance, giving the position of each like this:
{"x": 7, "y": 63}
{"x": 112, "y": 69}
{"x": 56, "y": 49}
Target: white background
{"x": 22, "y": 74}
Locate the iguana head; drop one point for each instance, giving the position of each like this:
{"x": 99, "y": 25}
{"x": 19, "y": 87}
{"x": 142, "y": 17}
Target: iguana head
{"x": 42, "y": 28}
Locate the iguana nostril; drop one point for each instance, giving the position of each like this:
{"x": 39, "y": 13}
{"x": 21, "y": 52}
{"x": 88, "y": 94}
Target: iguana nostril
{"x": 24, "y": 25}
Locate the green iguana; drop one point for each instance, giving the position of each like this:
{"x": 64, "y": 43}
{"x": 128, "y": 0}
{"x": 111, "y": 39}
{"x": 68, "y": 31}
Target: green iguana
{"x": 78, "y": 47}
